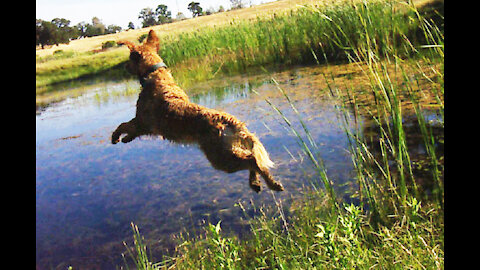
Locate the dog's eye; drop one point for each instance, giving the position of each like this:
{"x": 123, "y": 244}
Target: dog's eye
{"x": 135, "y": 56}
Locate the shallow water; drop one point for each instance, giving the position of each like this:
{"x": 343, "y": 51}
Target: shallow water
{"x": 88, "y": 191}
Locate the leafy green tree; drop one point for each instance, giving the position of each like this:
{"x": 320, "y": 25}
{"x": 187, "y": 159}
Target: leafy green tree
{"x": 163, "y": 15}
{"x": 148, "y": 17}
{"x": 180, "y": 16}
{"x": 210, "y": 11}
{"x": 54, "y": 32}
{"x": 81, "y": 29}
{"x": 38, "y": 28}
{"x": 63, "y": 32}
{"x": 131, "y": 25}
{"x": 61, "y": 23}
{"x": 237, "y": 4}
{"x": 112, "y": 29}
{"x": 195, "y": 8}
{"x": 97, "y": 28}
{"x": 45, "y": 33}
{"x": 59, "y": 30}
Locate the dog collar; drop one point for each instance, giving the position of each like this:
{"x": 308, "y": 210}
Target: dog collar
{"x": 143, "y": 79}
{"x": 155, "y": 67}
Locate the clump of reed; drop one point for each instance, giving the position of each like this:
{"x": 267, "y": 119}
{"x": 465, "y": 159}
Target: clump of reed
{"x": 388, "y": 182}
{"x": 396, "y": 221}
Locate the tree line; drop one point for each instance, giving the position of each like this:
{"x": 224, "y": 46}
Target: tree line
{"x": 58, "y": 30}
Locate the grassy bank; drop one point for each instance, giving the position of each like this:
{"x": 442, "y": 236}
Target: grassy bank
{"x": 397, "y": 220}
{"x": 65, "y": 66}
{"x": 313, "y": 238}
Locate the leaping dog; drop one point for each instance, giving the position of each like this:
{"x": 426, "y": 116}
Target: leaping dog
{"x": 163, "y": 108}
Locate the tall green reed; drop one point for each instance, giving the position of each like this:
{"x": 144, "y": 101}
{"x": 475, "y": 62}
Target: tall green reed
{"x": 376, "y": 41}
{"x": 375, "y": 176}
{"x": 138, "y": 253}
{"x": 308, "y": 148}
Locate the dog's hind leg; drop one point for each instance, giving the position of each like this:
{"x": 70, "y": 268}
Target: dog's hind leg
{"x": 271, "y": 183}
{"x": 255, "y": 184}
{"x": 262, "y": 162}
{"x": 127, "y": 127}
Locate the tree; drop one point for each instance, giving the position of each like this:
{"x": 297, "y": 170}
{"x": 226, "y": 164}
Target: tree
{"x": 81, "y": 29}
{"x": 60, "y": 22}
{"x": 195, "y": 8}
{"x": 97, "y": 28}
{"x": 148, "y": 17}
{"x": 45, "y": 32}
{"x": 63, "y": 31}
{"x": 210, "y": 11}
{"x": 163, "y": 15}
{"x": 54, "y": 32}
{"x": 112, "y": 29}
{"x": 97, "y": 23}
{"x": 38, "y": 30}
{"x": 59, "y": 30}
{"x": 237, "y": 4}
{"x": 131, "y": 25}
{"x": 180, "y": 16}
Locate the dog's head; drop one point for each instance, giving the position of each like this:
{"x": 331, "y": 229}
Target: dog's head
{"x": 144, "y": 56}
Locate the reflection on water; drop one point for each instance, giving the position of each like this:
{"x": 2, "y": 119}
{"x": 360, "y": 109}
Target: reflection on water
{"x": 88, "y": 191}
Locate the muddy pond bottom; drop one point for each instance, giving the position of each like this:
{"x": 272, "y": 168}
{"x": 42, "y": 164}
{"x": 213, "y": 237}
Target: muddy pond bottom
{"x": 88, "y": 191}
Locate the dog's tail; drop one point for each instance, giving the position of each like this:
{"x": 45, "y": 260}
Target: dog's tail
{"x": 259, "y": 152}
{"x": 248, "y": 139}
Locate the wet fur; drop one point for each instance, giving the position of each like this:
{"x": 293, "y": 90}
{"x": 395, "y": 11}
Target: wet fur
{"x": 163, "y": 108}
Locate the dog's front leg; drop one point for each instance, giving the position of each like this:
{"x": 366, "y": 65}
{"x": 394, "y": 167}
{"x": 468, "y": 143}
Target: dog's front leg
{"x": 127, "y": 127}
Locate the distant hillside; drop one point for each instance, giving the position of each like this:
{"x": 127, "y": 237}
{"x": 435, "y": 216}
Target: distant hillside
{"x": 95, "y": 43}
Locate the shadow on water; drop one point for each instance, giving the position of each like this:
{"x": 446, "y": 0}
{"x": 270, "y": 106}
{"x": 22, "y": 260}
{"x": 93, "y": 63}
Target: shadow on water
{"x": 88, "y": 191}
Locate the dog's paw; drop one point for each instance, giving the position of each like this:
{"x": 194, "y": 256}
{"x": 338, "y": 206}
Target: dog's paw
{"x": 256, "y": 187}
{"x": 276, "y": 186}
{"x": 128, "y": 139}
{"x": 115, "y": 140}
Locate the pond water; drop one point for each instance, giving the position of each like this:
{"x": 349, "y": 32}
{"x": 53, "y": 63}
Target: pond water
{"x": 88, "y": 191}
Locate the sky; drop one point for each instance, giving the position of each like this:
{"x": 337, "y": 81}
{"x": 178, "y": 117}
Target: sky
{"x": 118, "y": 12}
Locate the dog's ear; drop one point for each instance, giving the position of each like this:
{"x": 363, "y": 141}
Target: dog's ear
{"x": 152, "y": 40}
{"x": 129, "y": 44}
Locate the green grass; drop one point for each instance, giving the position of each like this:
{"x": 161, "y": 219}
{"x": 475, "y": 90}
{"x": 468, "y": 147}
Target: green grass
{"x": 313, "y": 238}
{"x": 398, "y": 223}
